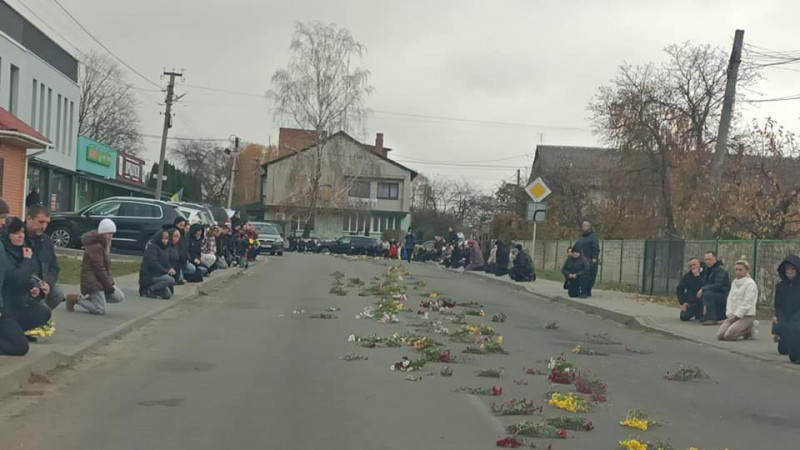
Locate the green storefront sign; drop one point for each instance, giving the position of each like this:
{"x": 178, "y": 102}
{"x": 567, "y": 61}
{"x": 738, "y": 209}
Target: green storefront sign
{"x": 99, "y": 156}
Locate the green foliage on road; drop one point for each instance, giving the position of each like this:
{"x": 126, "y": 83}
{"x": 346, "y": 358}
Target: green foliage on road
{"x": 71, "y": 269}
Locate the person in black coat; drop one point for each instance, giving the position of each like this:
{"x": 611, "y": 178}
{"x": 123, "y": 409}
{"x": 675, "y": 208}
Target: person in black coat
{"x": 714, "y": 293}
{"x": 156, "y": 274}
{"x": 523, "y": 266}
{"x": 33, "y": 198}
{"x": 195, "y": 239}
{"x": 22, "y": 296}
{"x": 690, "y": 284}
{"x": 452, "y": 236}
{"x": 502, "y": 259}
{"x": 589, "y": 247}
{"x": 575, "y": 270}
{"x": 786, "y": 323}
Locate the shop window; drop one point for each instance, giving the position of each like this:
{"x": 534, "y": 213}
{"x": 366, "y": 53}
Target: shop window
{"x": 359, "y": 189}
{"x": 388, "y": 191}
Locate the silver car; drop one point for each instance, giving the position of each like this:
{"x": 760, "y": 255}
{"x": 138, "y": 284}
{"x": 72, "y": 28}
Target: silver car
{"x": 270, "y": 238}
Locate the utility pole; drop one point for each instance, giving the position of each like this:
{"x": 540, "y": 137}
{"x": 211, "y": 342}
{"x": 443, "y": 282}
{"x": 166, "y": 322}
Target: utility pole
{"x": 518, "y": 178}
{"x": 721, "y": 148}
{"x": 234, "y": 155}
{"x": 167, "y": 125}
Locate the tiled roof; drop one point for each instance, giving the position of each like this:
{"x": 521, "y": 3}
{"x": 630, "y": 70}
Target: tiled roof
{"x": 11, "y": 124}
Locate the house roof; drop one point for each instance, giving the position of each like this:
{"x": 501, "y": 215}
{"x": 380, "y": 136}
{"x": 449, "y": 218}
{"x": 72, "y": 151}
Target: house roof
{"x": 15, "y": 132}
{"x": 365, "y": 147}
{"x": 586, "y": 160}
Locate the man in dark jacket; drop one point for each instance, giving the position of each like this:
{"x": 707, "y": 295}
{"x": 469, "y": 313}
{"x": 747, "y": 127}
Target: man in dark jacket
{"x": 97, "y": 283}
{"x": 575, "y": 270}
{"x": 156, "y": 272}
{"x": 452, "y": 236}
{"x": 12, "y": 336}
{"x": 44, "y": 254}
{"x": 589, "y": 247}
{"x": 714, "y": 293}
{"x": 33, "y": 198}
{"x": 501, "y": 259}
{"x": 786, "y": 323}
{"x": 690, "y": 284}
{"x": 408, "y": 244}
{"x": 186, "y": 267}
{"x": 522, "y": 269}
{"x": 195, "y": 238}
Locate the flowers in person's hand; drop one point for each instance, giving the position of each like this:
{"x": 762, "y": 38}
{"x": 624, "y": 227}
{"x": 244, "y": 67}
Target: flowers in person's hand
{"x": 46, "y": 330}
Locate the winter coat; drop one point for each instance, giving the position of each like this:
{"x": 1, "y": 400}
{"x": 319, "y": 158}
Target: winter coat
{"x": 4, "y": 264}
{"x": 502, "y": 257}
{"x": 19, "y": 274}
{"x": 96, "y": 265}
{"x": 32, "y": 199}
{"x": 742, "y": 298}
{"x": 716, "y": 280}
{"x": 575, "y": 266}
{"x": 475, "y": 258}
{"x": 183, "y": 249}
{"x": 523, "y": 264}
{"x": 410, "y": 240}
{"x": 688, "y": 287}
{"x": 452, "y": 237}
{"x": 44, "y": 256}
{"x": 240, "y": 246}
{"x": 393, "y": 251}
{"x": 588, "y": 245}
{"x": 173, "y": 256}
{"x": 155, "y": 262}
{"x": 787, "y": 294}
{"x": 195, "y": 245}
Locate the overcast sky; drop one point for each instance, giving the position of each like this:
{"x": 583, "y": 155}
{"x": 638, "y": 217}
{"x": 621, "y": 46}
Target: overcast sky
{"x": 520, "y": 71}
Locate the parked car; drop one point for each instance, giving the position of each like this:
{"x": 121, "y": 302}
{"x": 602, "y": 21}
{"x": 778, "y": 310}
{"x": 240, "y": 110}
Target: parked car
{"x": 269, "y": 236}
{"x": 352, "y": 245}
{"x": 137, "y": 220}
{"x": 220, "y": 215}
{"x": 195, "y": 213}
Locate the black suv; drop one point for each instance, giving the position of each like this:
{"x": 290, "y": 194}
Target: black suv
{"x": 137, "y": 220}
{"x": 351, "y": 245}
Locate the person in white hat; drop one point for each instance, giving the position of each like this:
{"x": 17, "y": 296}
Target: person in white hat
{"x": 97, "y": 284}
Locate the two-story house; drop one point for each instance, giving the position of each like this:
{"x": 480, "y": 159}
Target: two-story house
{"x": 361, "y": 190}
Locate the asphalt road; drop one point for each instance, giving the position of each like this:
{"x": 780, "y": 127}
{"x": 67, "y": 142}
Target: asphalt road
{"x": 235, "y": 369}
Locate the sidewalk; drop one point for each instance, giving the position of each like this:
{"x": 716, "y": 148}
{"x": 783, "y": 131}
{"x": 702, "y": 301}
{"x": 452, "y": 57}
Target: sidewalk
{"x": 79, "y": 332}
{"x": 626, "y": 308}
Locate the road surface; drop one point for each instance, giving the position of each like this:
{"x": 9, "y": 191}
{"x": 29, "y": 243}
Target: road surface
{"x": 235, "y": 369}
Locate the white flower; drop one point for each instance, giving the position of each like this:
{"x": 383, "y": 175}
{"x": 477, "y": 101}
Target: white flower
{"x": 352, "y": 338}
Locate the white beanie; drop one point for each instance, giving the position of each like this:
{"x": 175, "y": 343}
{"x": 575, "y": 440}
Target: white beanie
{"x": 107, "y": 226}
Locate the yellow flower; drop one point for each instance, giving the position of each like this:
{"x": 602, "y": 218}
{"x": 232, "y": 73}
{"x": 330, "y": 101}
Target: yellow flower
{"x": 633, "y": 444}
{"x": 472, "y": 329}
{"x": 639, "y": 424}
{"x": 433, "y": 295}
{"x": 499, "y": 340}
{"x": 481, "y": 313}
{"x": 576, "y": 349}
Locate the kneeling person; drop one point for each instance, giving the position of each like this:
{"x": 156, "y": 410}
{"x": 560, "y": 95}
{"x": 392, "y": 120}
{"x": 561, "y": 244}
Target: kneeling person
{"x": 575, "y": 270}
{"x": 156, "y": 275}
{"x": 689, "y": 286}
{"x": 97, "y": 284}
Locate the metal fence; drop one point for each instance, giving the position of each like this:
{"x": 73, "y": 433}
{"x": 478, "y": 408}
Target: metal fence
{"x": 655, "y": 267}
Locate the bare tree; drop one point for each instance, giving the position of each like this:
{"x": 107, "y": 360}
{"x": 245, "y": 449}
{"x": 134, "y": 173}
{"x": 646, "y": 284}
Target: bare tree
{"x": 107, "y": 111}
{"x": 321, "y": 90}
{"x": 208, "y": 164}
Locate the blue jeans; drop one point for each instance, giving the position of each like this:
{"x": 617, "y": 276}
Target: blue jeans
{"x": 191, "y": 268}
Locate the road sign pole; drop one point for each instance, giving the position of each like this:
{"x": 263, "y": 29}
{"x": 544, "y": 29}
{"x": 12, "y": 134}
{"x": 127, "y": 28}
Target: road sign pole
{"x": 533, "y": 244}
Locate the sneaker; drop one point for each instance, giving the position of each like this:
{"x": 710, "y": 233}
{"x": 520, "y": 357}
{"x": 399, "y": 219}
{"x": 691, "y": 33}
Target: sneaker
{"x": 147, "y": 293}
{"x": 180, "y": 283}
{"x": 71, "y": 301}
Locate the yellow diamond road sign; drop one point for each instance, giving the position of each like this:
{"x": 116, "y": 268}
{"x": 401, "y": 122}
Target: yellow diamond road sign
{"x": 537, "y": 190}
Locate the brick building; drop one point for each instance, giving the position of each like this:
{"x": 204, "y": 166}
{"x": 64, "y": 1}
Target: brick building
{"x": 16, "y": 137}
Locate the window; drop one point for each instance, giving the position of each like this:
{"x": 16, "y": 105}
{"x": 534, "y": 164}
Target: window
{"x": 104, "y": 209}
{"x": 70, "y": 133}
{"x": 13, "y": 94}
{"x": 34, "y": 93}
{"x": 49, "y": 111}
{"x": 58, "y": 124}
{"x": 41, "y": 108}
{"x": 64, "y": 137}
{"x": 359, "y": 189}
{"x": 136, "y": 209}
{"x": 389, "y": 191}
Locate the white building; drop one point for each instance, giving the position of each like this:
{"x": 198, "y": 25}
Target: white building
{"x": 39, "y": 84}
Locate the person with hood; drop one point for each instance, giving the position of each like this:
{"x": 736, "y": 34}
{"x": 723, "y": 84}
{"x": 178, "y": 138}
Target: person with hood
{"x": 12, "y": 338}
{"x": 475, "y": 256}
{"x": 576, "y": 270}
{"x": 156, "y": 275}
{"x": 691, "y": 282}
{"x": 236, "y": 220}
{"x": 44, "y": 254}
{"x": 589, "y": 247}
{"x": 740, "y": 321}
{"x": 97, "y": 283}
{"x": 408, "y": 244}
{"x": 502, "y": 257}
{"x": 195, "y": 248}
{"x": 786, "y": 323}
{"x": 22, "y": 295}
{"x": 209, "y": 249}
{"x": 716, "y": 285}
{"x": 523, "y": 266}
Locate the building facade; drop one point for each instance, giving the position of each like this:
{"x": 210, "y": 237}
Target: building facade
{"x": 105, "y": 172}
{"x": 16, "y": 138}
{"x": 39, "y": 85}
{"x": 362, "y": 191}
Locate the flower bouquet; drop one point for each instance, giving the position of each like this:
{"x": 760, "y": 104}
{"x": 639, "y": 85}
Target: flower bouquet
{"x": 338, "y": 290}
{"x": 352, "y": 356}
{"x": 446, "y": 371}
{"x": 373, "y": 341}
{"x": 570, "y": 423}
{"x": 471, "y": 305}
{"x": 639, "y": 420}
{"x": 550, "y": 326}
{"x": 407, "y": 365}
{"x": 687, "y": 373}
{"x": 561, "y": 370}
{"x": 586, "y": 384}
{"x": 579, "y": 350}
{"x": 510, "y": 442}
{"x": 494, "y": 391}
{"x": 569, "y": 402}
{"x": 515, "y": 408}
{"x": 637, "y": 443}
{"x": 532, "y": 371}
{"x": 46, "y": 330}
{"x": 323, "y": 316}
{"x": 499, "y": 317}
{"x": 475, "y": 312}
{"x": 491, "y": 373}
{"x": 539, "y": 430}
{"x": 355, "y": 282}
{"x": 482, "y": 349}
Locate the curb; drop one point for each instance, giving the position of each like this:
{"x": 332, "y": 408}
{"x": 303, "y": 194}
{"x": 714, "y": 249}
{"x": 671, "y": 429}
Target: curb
{"x": 629, "y": 320}
{"x": 50, "y": 361}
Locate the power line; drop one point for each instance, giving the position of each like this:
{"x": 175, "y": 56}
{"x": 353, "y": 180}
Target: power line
{"x": 174, "y": 138}
{"x": 68, "y": 14}
{"x": 777, "y": 99}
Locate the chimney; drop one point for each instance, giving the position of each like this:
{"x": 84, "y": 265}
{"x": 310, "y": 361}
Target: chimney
{"x": 379, "y": 145}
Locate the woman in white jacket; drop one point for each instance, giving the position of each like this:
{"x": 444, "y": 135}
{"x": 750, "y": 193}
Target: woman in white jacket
{"x": 741, "y": 308}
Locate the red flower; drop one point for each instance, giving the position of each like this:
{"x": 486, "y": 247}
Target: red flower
{"x": 530, "y": 371}
{"x": 445, "y": 356}
{"x": 509, "y": 442}
{"x": 589, "y": 426}
{"x": 496, "y": 391}
{"x": 562, "y": 433}
{"x": 597, "y": 398}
